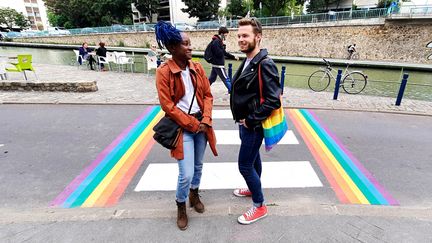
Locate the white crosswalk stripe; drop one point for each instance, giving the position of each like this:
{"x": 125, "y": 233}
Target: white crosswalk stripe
{"x": 225, "y": 175}
{"x": 224, "y": 137}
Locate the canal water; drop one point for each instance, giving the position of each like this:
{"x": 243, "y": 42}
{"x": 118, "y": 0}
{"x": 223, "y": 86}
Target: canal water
{"x": 381, "y": 82}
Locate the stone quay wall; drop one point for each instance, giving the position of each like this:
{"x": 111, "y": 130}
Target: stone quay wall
{"x": 389, "y": 40}
{"x": 49, "y": 86}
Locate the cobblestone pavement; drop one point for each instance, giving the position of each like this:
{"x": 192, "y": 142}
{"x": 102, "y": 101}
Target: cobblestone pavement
{"x": 139, "y": 88}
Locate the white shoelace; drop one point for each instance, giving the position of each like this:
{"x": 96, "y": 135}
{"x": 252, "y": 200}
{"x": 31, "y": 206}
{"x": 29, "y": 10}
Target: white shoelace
{"x": 250, "y": 212}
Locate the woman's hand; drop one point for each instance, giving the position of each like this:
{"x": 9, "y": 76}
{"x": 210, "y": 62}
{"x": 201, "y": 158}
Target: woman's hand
{"x": 202, "y": 127}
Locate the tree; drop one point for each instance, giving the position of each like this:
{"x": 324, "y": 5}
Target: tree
{"x": 274, "y": 6}
{"x": 88, "y": 13}
{"x": 11, "y": 18}
{"x": 147, "y": 7}
{"x": 237, "y": 8}
{"x": 203, "y": 10}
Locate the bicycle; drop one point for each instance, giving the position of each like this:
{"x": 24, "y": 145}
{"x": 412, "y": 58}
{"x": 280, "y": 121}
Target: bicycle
{"x": 353, "y": 82}
{"x": 353, "y": 56}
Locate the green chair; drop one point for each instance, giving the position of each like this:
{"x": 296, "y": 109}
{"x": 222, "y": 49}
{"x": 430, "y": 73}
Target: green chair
{"x": 24, "y": 64}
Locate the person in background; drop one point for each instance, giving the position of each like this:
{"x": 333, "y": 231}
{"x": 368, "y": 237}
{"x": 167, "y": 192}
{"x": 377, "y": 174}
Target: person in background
{"x": 218, "y": 53}
{"x": 101, "y": 51}
{"x": 185, "y": 96}
{"x": 85, "y": 51}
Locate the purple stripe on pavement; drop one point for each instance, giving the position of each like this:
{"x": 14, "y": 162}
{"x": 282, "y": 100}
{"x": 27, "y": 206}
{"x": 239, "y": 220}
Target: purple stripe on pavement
{"x": 368, "y": 175}
{"x": 75, "y": 183}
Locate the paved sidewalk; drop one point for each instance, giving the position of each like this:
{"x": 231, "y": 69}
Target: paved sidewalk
{"x": 139, "y": 88}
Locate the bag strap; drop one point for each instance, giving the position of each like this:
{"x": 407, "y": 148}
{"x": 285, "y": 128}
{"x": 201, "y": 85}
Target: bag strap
{"x": 260, "y": 84}
{"x": 193, "y": 97}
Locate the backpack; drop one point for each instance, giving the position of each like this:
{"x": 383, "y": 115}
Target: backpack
{"x": 208, "y": 55}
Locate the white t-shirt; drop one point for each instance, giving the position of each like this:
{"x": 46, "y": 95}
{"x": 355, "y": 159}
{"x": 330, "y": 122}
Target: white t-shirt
{"x": 185, "y": 101}
{"x": 246, "y": 63}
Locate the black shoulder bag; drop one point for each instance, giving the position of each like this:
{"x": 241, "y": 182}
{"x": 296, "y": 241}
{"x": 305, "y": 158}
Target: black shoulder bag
{"x": 167, "y": 131}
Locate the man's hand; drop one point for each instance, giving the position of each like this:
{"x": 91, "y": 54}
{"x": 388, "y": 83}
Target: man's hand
{"x": 202, "y": 127}
{"x": 243, "y": 123}
{"x": 237, "y": 58}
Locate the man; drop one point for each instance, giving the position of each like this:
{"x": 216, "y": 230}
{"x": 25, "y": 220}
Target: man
{"x": 351, "y": 50}
{"x": 249, "y": 111}
{"x": 218, "y": 54}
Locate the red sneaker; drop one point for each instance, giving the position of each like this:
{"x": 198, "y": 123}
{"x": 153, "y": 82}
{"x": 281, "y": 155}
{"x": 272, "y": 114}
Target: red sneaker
{"x": 252, "y": 215}
{"x": 242, "y": 192}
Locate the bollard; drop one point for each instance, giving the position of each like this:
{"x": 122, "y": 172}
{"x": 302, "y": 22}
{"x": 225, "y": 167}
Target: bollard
{"x": 402, "y": 89}
{"x": 337, "y": 84}
{"x": 282, "y": 78}
{"x": 230, "y": 70}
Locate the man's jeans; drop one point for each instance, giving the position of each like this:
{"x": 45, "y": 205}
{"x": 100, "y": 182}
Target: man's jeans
{"x": 249, "y": 161}
{"x": 190, "y": 168}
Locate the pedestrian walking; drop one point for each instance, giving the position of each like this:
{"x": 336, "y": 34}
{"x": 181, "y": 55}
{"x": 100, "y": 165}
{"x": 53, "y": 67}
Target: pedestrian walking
{"x": 185, "y": 96}
{"x": 216, "y": 51}
{"x": 249, "y": 111}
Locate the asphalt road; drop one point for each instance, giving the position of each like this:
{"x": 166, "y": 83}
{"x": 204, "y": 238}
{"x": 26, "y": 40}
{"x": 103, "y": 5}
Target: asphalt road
{"x": 44, "y": 147}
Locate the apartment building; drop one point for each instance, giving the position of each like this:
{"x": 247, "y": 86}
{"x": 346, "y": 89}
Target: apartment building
{"x": 34, "y": 10}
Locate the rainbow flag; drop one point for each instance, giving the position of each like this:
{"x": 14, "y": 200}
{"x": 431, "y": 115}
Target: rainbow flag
{"x": 275, "y": 127}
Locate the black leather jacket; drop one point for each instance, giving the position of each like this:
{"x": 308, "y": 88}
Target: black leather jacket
{"x": 245, "y": 94}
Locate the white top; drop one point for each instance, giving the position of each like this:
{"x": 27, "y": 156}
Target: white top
{"x": 185, "y": 101}
{"x": 246, "y": 63}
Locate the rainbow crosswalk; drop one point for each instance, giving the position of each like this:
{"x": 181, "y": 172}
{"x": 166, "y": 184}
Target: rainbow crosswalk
{"x": 105, "y": 180}
{"x": 351, "y": 182}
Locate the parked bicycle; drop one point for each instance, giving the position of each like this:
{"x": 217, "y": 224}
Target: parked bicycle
{"x": 353, "y": 82}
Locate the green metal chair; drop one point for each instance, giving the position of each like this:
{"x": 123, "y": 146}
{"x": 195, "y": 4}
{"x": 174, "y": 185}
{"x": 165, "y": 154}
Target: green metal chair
{"x": 24, "y": 64}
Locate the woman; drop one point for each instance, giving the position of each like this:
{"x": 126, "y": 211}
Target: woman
{"x": 177, "y": 80}
{"x": 84, "y": 52}
{"x": 101, "y": 52}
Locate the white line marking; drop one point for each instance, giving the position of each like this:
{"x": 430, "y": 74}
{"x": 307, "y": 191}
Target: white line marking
{"x": 222, "y": 114}
{"x": 283, "y": 174}
{"x": 224, "y": 137}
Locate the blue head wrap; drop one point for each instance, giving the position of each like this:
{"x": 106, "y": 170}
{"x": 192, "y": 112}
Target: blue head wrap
{"x": 167, "y": 34}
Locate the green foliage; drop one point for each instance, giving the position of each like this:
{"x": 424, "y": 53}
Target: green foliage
{"x": 121, "y": 43}
{"x": 11, "y": 18}
{"x": 89, "y": 13}
{"x": 275, "y": 6}
{"x": 203, "y": 10}
{"x": 237, "y": 8}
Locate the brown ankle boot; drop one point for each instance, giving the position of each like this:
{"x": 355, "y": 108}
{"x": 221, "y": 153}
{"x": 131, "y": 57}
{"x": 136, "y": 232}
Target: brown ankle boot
{"x": 182, "y": 219}
{"x": 194, "y": 201}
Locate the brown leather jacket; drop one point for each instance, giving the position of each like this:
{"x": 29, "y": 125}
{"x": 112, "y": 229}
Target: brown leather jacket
{"x": 170, "y": 88}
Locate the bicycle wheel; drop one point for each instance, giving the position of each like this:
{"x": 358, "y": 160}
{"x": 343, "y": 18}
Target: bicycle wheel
{"x": 354, "y": 82}
{"x": 355, "y": 56}
{"x": 319, "y": 81}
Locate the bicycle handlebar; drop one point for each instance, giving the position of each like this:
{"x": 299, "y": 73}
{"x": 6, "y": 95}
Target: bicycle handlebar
{"x": 327, "y": 62}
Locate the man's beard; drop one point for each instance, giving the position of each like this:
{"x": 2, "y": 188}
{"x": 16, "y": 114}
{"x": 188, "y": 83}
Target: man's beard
{"x": 250, "y": 47}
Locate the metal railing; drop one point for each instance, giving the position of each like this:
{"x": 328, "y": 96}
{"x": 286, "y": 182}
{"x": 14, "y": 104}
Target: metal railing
{"x": 414, "y": 11}
{"x": 269, "y": 21}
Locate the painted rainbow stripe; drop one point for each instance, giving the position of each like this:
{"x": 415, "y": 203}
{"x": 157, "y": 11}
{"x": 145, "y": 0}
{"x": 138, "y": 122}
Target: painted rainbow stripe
{"x": 351, "y": 182}
{"x": 104, "y": 181}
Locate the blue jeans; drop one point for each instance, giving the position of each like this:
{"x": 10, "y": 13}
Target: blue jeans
{"x": 190, "y": 167}
{"x": 249, "y": 161}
